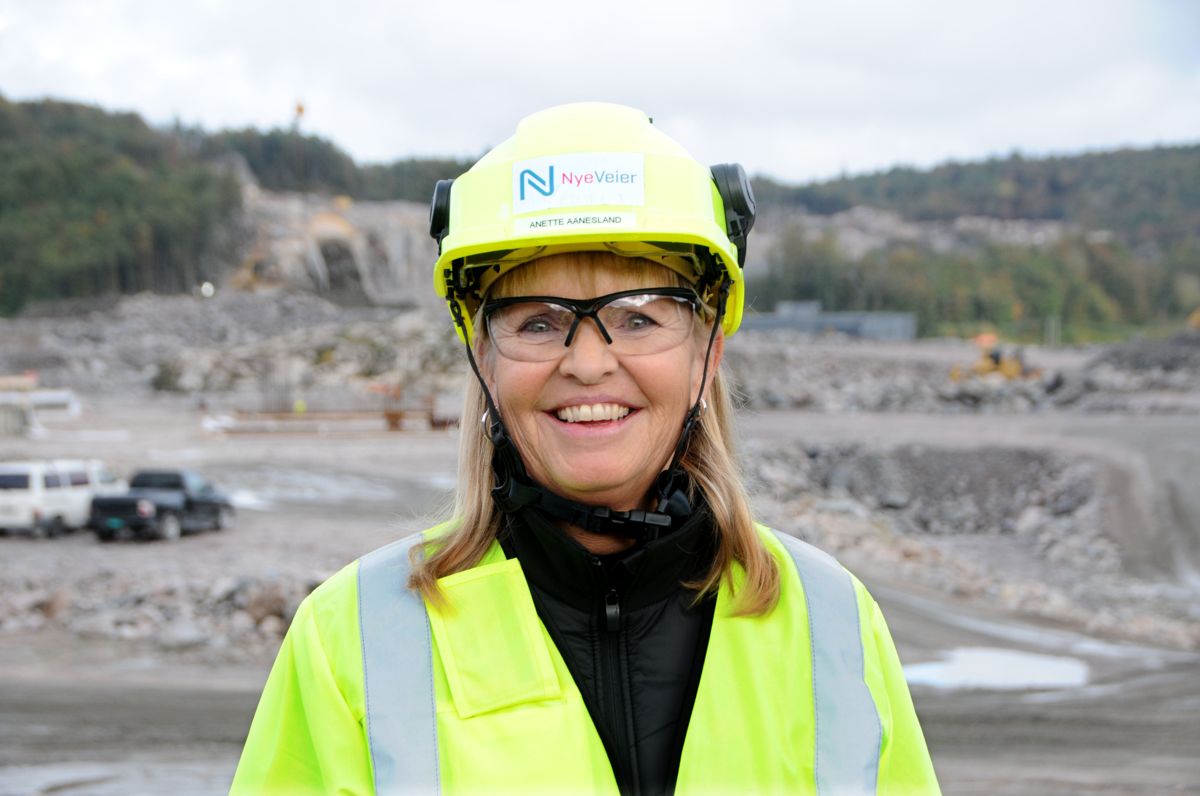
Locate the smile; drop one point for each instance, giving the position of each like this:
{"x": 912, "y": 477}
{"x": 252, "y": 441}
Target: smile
{"x": 591, "y": 413}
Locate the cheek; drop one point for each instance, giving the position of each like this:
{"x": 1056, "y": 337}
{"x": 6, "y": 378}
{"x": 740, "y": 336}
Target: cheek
{"x": 517, "y": 386}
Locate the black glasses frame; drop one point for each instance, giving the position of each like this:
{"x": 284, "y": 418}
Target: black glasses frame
{"x": 590, "y": 308}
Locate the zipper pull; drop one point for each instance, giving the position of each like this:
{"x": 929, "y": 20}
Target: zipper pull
{"x": 612, "y": 611}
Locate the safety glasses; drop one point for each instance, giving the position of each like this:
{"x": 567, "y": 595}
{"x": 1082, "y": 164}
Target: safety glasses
{"x": 633, "y": 322}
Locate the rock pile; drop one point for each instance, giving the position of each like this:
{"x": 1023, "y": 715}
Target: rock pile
{"x": 242, "y": 617}
{"x": 1018, "y": 529}
{"x": 784, "y": 370}
{"x": 242, "y": 340}
{"x": 1048, "y": 502}
{"x": 1170, "y": 364}
{"x": 119, "y": 349}
{"x": 415, "y": 349}
{"x": 790, "y": 370}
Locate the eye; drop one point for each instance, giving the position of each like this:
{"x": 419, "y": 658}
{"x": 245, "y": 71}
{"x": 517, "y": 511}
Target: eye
{"x": 636, "y": 321}
{"x": 532, "y": 320}
{"x": 539, "y": 324}
{"x": 644, "y": 314}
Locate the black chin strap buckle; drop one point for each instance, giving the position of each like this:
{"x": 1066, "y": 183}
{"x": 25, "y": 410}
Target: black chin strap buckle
{"x": 636, "y": 524}
{"x": 511, "y": 495}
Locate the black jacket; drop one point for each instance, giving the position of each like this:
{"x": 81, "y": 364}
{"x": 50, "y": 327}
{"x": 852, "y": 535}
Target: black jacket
{"x": 629, "y": 634}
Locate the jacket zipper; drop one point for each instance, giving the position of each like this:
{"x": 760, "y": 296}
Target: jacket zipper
{"x": 613, "y": 682}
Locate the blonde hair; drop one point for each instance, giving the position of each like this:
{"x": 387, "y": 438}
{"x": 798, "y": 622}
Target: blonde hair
{"x": 709, "y": 463}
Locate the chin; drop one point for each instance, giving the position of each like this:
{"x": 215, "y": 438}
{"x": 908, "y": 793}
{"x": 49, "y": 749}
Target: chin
{"x": 603, "y": 489}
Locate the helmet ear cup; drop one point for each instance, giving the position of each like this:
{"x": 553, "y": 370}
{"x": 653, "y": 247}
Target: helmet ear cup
{"x": 740, "y": 208}
{"x": 439, "y": 212}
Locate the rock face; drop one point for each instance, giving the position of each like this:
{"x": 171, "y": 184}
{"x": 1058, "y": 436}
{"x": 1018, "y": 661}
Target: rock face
{"x": 861, "y": 230}
{"x": 353, "y": 252}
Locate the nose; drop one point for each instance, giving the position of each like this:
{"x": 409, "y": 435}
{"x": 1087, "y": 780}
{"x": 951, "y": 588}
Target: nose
{"x": 589, "y": 358}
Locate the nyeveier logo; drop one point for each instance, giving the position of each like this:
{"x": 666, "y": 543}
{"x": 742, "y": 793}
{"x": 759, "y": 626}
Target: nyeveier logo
{"x": 578, "y": 179}
{"x": 543, "y": 185}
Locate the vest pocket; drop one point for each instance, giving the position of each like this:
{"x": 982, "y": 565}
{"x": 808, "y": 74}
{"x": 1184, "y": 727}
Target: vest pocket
{"x": 490, "y": 641}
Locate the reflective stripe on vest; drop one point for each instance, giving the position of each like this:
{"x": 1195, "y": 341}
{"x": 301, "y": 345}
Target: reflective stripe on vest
{"x": 848, "y": 732}
{"x": 398, "y": 675}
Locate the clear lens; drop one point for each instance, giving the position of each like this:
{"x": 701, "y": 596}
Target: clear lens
{"x": 531, "y": 323}
{"x": 538, "y": 330}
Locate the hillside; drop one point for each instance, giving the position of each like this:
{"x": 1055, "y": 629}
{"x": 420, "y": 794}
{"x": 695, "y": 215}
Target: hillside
{"x": 282, "y": 160}
{"x": 1147, "y": 196}
{"x": 95, "y": 204}
{"x": 1095, "y": 246}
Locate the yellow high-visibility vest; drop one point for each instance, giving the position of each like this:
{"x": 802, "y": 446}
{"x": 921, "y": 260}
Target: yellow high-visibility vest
{"x": 374, "y": 691}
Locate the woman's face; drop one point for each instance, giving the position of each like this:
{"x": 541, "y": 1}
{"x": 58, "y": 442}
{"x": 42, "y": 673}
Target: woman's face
{"x": 606, "y": 462}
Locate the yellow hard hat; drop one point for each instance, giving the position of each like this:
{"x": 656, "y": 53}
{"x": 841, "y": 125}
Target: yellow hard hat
{"x": 588, "y": 177}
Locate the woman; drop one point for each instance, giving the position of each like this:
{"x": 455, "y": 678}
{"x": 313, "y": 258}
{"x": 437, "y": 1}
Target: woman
{"x": 601, "y": 614}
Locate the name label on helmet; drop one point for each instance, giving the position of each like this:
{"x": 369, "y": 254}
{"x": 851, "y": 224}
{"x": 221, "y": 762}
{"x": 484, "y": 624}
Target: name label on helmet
{"x": 569, "y": 222}
{"x": 579, "y": 180}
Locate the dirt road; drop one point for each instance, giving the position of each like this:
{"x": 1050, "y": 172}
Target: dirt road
{"x": 98, "y": 719}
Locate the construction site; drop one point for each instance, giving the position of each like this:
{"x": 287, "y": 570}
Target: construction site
{"x": 1028, "y": 523}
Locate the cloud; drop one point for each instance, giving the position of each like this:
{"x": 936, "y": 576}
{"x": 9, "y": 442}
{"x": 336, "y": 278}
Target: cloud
{"x": 792, "y": 89}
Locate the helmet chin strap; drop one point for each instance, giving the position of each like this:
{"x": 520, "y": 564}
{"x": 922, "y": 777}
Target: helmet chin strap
{"x": 515, "y": 491}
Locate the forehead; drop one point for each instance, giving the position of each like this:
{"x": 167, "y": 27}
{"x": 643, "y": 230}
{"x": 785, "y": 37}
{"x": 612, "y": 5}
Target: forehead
{"x": 582, "y": 277}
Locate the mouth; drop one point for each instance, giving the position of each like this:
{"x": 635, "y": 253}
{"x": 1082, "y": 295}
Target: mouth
{"x": 593, "y": 413}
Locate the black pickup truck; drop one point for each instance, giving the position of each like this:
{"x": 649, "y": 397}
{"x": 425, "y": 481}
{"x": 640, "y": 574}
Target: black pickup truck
{"x": 161, "y": 504}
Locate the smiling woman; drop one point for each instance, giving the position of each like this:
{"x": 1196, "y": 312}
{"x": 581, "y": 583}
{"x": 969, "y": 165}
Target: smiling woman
{"x": 638, "y": 367}
{"x": 600, "y": 614}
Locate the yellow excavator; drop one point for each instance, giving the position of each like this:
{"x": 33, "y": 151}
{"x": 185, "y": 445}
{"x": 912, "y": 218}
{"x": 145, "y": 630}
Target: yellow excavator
{"x": 1007, "y": 360}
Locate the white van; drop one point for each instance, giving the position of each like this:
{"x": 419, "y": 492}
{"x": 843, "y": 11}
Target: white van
{"x": 46, "y": 498}
{"x": 84, "y": 479}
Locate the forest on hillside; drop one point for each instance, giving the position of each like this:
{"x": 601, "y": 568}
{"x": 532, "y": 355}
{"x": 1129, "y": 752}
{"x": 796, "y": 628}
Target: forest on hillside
{"x": 283, "y": 160}
{"x": 1084, "y": 289}
{"x": 1145, "y": 196}
{"x": 1147, "y": 272}
{"x": 94, "y": 203}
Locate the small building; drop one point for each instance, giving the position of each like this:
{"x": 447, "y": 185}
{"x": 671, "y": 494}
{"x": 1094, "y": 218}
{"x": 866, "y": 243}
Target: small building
{"x": 807, "y": 316}
{"x": 21, "y": 401}
{"x": 15, "y": 420}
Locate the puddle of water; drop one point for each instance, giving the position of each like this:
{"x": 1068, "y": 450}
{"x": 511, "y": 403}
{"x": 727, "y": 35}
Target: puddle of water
{"x": 245, "y": 499}
{"x": 263, "y": 488}
{"x": 285, "y": 485}
{"x": 990, "y": 668}
{"x": 1044, "y": 638}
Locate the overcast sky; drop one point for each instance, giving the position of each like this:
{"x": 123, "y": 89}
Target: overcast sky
{"x": 798, "y": 90}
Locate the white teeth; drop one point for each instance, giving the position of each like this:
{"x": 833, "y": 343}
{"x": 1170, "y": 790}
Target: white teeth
{"x": 590, "y": 413}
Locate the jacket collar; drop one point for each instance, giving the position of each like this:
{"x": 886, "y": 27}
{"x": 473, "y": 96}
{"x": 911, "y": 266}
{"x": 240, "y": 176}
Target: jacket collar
{"x": 643, "y": 575}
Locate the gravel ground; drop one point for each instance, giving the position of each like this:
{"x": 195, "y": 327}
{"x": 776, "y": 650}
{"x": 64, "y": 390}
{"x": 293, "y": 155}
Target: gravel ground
{"x": 1052, "y": 516}
{"x": 195, "y": 623}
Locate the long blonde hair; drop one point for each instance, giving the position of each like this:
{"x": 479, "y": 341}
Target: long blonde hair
{"x": 709, "y": 462}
